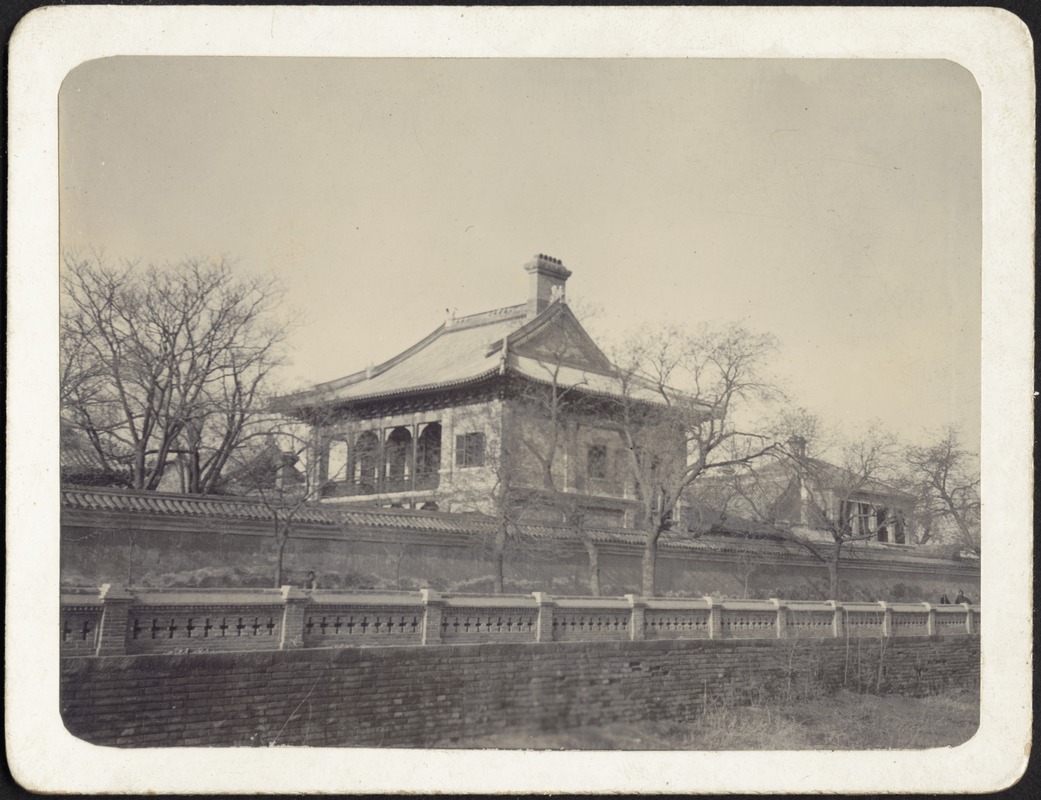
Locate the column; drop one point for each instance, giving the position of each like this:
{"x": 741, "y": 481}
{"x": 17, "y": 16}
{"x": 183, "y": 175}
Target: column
{"x": 413, "y": 458}
{"x": 293, "y": 613}
{"x": 970, "y": 623}
{"x": 432, "y": 608}
{"x": 544, "y": 621}
{"x": 112, "y": 630}
{"x": 838, "y": 620}
{"x": 715, "y": 619}
{"x": 637, "y": 618}
{"x": 781, "y": 625}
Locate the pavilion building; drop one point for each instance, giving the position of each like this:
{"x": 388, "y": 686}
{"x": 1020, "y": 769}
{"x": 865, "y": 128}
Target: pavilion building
{"x": 514, "y": 402}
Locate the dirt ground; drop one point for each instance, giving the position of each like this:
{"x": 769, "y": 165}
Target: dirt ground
{"x": 843, "y": 721}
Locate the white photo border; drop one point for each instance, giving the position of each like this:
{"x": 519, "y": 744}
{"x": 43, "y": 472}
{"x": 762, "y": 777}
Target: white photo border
{"x": 994, "y": 45}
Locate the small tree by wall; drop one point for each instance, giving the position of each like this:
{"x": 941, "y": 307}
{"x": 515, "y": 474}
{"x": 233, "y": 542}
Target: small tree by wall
{"x": 525, "y": 460}
{"x": 944, "y": 477}
{"x": 282, "y": 472}
{"x": 822, "y": 507}
{"x": 681, "y": 395}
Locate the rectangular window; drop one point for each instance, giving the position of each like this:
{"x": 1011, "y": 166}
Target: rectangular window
{"x": 469, "y": 450}
{"x": 883, "y": 523}
{"x": 596, "y": 461}
{"x": 899, "y": 534}
{"x": 846, "y": 518}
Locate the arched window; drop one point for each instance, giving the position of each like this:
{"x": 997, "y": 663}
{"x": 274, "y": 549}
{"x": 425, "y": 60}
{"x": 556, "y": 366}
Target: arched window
{"x": 428, "y": 456}
{"x": 337, "y": 464}
{"x": 397, "y": 456}
{"x": 367, "y": 462}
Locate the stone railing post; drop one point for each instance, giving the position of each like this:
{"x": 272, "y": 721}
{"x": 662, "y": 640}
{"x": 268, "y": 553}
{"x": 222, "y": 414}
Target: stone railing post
{"x": 112, "y": 629}
{"x": 433, "y": 606}
{"x": 295, "y": 602}
{"x": 637, "y": 617}
{"x": 544, "y": 621}
{"x": 781, "y": 623}
{"x": 970, "y": 622}
{"x": 887, "y": 618}
{"x": 715, "y": 619}
{"x": 838, "y": 620}
{"x": 930, "y": 619}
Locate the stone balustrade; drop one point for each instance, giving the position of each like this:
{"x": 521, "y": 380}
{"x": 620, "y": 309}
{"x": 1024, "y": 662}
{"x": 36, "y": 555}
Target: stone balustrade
{"x": 113, "y": 621}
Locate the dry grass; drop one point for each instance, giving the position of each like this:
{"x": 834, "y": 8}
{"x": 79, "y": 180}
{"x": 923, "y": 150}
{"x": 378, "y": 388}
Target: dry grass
{"x": 843, "y": 721}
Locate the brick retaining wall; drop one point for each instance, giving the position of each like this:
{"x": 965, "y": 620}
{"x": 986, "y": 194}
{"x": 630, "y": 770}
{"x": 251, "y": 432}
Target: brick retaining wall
{"x": 417, "y": 696}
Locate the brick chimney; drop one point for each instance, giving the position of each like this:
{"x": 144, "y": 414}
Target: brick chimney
{"x": 797, "y": 445}
{"x": 548, "y": 276}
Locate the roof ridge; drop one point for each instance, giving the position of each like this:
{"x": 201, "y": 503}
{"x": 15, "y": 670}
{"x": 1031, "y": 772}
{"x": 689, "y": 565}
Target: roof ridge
{"x": 470, "y": 321}
{"x": 157, "y": 493}
{"x": 487, "y": 317}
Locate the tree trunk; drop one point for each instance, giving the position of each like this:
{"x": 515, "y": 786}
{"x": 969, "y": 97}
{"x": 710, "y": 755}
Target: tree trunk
{"x": 194, "y": 484}
{"x": 130, "y": 559}
{"x": 498, "y": 568}
{"x": 282, "y": 536}
{"x": 833, "y": 576}
{"x": 499, "y": 560}
{"x": 137, "y": 477}
{"x": 650, "y": 562}
{"x": 594, "y": 568}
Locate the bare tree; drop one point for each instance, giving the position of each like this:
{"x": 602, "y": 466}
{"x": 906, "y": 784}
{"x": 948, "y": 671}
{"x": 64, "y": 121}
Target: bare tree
{"x": 539, "y": 425}
{"x": 509, "y": 492}
{"x": 165, "y": 364}
{"x": 281, "y": 470}
{"x": 497, "y": 492}
{"x": 945, "y": 479}
{"x": 823, "y": 507}
{"x": 682, "y": 395}
{"x": 526, "y": 461}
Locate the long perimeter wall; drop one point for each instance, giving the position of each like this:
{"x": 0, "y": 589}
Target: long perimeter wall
{"x": 180, "y": 549}
{"x": 424, "y": 696}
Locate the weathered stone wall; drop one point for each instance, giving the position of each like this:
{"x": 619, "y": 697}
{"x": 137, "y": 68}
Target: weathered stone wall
{"x": 416, "y": 696}
{"x": 122, "y": 555}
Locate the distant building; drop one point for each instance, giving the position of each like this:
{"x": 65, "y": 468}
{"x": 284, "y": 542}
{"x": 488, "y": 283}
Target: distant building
{"x": 516, "y": 399}
{"x": 810, "y": 497}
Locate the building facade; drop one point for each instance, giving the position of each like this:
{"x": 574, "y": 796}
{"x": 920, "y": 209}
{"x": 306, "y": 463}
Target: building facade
{"x": 812, "y": 499}
{"x": 511, "y": 406}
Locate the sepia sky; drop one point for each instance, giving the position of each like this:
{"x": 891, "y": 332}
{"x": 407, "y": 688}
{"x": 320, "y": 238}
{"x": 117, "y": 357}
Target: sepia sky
{"x": 835, "y": 204}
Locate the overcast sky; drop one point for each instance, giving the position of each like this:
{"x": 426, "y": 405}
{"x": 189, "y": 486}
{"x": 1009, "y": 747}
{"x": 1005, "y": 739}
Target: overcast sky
{"x": 835, "y": 204}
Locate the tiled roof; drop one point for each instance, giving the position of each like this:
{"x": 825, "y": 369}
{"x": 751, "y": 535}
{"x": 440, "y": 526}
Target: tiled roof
{"x": 401, "y": 519}
{"x": 589, "y": 382}
{"x": 453, "y": 354}
{"x": 162, "y": 503}
{"x": 469, "y": 349}
{"x": 836, "y": 476}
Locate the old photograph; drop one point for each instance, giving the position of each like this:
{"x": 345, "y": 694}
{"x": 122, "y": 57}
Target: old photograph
{"x": 512, "y": 405}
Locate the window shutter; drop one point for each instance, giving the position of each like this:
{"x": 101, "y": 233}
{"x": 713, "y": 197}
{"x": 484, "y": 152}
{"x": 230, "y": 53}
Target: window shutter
{"x": 460, "y": 451}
